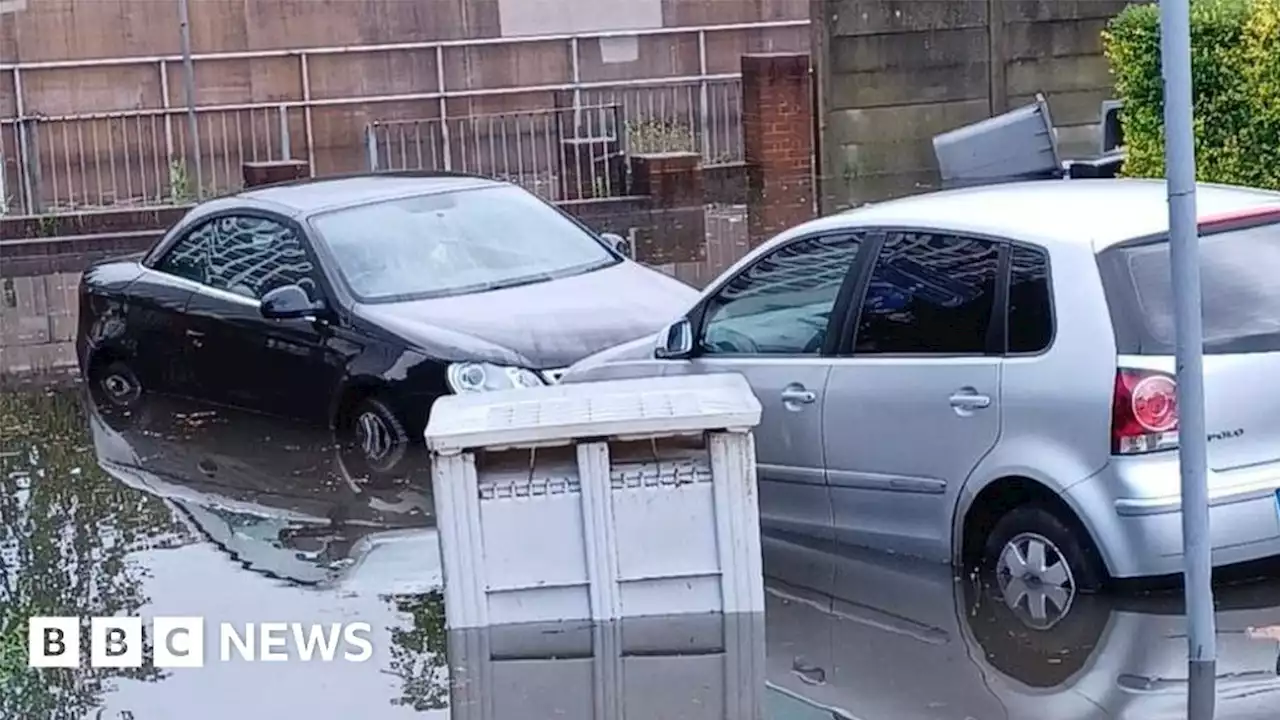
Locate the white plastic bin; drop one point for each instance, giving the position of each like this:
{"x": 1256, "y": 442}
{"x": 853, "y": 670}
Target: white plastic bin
{"x": 692, "y": 667}
{"x": 598, "y": 501}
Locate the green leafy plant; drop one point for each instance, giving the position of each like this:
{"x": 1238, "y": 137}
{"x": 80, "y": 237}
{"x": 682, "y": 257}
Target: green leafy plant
{"x": 180, "y": 190}
{"x": 1235, "y": 48}
{"x": 660, "y": 136}
{"x": 48, "y": 225}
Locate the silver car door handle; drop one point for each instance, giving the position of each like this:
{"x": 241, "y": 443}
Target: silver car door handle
{"x": 194, "y": 334}
{"x": 799, "y": 396}
{"x": 961, "y": 400}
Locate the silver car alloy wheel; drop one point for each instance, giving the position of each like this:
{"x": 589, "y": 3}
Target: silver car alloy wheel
{"x": 1035, "y": 580}
{"x": 376, "y": 440}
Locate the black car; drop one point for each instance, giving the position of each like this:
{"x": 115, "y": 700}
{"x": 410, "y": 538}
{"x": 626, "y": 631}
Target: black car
{"x": 355, "y": 302}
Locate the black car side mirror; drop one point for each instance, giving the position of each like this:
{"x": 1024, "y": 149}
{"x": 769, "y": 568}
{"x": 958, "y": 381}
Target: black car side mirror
{"x": 289, "y": 301}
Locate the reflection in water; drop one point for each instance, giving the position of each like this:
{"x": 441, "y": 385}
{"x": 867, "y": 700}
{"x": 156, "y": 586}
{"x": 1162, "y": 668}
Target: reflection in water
{"x": 279, "y": 500}
{"x": 160, "y": 511}
{"x": 885, "y": 639}
{"x": 690, "y": 667}
{"x": 240, "y": 519}
{"x": 66, "y": 536}
{"x": 418, "y": 653}
{"x": 274, "y": 497}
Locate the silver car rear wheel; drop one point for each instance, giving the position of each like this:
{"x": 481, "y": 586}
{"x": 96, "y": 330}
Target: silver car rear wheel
{"x": 1035, "y": 580}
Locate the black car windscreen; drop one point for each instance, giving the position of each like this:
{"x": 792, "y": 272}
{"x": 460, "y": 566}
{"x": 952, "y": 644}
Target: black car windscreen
{"x": 467, "y": 241}
{"x": 1240, "y": 286}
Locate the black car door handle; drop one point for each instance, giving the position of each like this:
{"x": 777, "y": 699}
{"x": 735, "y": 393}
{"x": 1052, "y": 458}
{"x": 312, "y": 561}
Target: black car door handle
{"x": 808, "y": 674}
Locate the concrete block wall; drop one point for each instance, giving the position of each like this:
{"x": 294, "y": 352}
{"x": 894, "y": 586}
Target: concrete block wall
{"x": 894, "y": 73}
{"x": 38, "y": 323}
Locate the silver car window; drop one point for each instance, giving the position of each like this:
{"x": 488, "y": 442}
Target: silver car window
{"x": 1238, "y": 284}
{"x": 1031, "y": 322}
{"x": 930, "y": 293}
{"x": 781, "y": 304}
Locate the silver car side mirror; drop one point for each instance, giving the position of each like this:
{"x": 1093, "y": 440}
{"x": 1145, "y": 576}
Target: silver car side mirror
{"x": 676, "y": 341}
{"x": 618, "y": 243}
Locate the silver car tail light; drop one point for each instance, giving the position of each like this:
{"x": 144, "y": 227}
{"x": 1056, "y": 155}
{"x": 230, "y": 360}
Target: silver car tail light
{"x": 1144, "y": 412}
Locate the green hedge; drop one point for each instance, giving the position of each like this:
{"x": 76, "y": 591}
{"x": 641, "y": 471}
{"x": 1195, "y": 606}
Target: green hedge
{"x": 1235, "y": 63}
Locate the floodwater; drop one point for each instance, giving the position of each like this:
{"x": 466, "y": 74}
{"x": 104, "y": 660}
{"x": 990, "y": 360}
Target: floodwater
{"x": 180, "y": 509}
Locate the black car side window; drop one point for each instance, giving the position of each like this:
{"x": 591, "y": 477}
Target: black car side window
{"x": 1030, "y": 302}
{"x": 781, "y": 304}
{"x": 189, "y": 257}
{"x": 242, "y": 254}
{"x": 930, "y": 293}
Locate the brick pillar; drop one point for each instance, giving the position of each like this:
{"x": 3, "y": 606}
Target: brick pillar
{"x": 274, "y": 171}
{"x": 674, "y": 185}
{"x": 777, "y": 136}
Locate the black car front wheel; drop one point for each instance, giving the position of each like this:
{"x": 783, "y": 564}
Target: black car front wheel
{"x": 115, "y": 384}
{"x": 117, "y": 394}
{"x": 374, "y": 440}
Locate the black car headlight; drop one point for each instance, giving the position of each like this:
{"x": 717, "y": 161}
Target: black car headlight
{"x": 469, "y": 377}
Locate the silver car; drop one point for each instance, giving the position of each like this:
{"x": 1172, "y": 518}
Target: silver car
{"x": 985, "y": 376}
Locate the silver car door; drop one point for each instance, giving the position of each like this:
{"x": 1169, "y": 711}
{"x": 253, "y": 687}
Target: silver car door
{"x": 770, "y": 323}
{"x": 916, "y": 406}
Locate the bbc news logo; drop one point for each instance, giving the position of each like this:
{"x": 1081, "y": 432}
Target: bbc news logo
{"x": 179, "y": 642}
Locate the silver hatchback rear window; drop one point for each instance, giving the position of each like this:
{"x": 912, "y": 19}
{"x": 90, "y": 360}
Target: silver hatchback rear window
{"x": 1240, "y": 285}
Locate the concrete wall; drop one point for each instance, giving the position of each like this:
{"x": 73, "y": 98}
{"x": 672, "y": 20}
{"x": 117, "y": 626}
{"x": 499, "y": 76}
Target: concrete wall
{"x": 550, "y": 17}
{"x": 133, "y": 160}
{"x": 38, "y": 323}
{"x": 52, "y": 30}
{"x": 894, "y": 73}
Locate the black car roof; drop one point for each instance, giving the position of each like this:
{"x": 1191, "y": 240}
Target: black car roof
{"x": 314, "y": 195}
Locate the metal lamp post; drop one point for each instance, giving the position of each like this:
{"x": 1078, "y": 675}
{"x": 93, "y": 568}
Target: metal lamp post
{"x": 1180, "y": 163}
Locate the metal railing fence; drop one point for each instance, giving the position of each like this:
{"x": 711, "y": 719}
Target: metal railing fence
{"x": 559, "y": 154}
{"x": 140, "y": 158}
{"x": 49, "y": 163}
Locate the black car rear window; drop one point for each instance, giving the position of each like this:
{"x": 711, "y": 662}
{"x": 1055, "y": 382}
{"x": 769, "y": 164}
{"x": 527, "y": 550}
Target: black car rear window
{"x": 1240, "y": 286}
